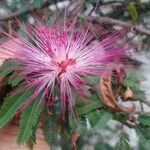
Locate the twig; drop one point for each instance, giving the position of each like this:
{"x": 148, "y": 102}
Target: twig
{"x": 106, "y": 20}
{"x": 10, "y": 28}
{"x": 118, "y": 10}
{"x": 112, "y": 21}
{"x": 141, "y": 105}
{"x": 129, "y": 125}
{"x": 140, "y": 112}
{"x": 79, "y": 5}
{"x": 112, "y": 2}
{"x": 145, "y": 102}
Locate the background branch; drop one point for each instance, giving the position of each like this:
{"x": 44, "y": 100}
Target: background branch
{"x": 130, "y": 125}
{"x": 145, "y": 102}
{"x": 80, "y": 5}
{"x": 112, "y": 21}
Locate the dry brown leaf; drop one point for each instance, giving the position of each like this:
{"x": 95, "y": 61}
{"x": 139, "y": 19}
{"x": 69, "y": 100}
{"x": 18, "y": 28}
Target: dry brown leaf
{"x": 108, "y": 97}
{"x": 128, "y": 95}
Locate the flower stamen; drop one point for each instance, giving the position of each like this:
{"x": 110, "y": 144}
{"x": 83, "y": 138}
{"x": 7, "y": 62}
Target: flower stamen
{"x": 64, "y": 64}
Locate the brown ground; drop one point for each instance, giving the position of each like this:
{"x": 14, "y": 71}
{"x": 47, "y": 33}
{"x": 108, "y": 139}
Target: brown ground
{"x": 8, "y": 138}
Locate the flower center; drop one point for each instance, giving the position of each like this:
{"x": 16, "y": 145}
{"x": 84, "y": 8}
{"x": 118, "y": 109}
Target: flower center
{"x": 64, "y": 64}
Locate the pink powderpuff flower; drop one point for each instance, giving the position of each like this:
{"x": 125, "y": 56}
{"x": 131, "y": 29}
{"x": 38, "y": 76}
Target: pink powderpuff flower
{"x": 56, "y": 56}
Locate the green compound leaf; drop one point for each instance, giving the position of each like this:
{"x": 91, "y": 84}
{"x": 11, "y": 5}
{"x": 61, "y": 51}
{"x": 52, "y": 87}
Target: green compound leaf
{"x": 120, "y": 117}
{"x": 38, "y": 3}
{"x": 5, "y": 69}
{"x": 133, "y": 81}
{"x": 29, "y": 122}
{"x": 144, "y": 119}
{"x": 52, "y": 124}
{"x": 144, "y": 142}
{"x": 105, "y": 117}
{"x": 98, "y": 120}
{"x": 12, "y": 104}
{"x": 14, "y": 80}
{"x": 84, "y": 107}
{"x": 123, "y": 142}
{"x": 50, "y": 130}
